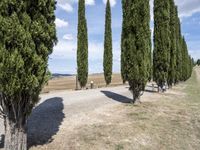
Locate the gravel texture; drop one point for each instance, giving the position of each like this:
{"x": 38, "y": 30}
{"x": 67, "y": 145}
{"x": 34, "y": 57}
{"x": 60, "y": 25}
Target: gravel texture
{"x": 56, "y": 107}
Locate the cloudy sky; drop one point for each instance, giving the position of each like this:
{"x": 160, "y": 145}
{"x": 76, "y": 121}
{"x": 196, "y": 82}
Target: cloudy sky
{"x": 63, "y": 59}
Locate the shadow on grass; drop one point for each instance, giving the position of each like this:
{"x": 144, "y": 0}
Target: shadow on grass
{"x": 2, "y": 138}
{"x": 45, "y": 121}
{"x": 150, "y": 91}
{"x": 117, "y": 97}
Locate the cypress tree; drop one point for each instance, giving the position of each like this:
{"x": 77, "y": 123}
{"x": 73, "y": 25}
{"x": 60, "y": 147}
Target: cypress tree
{"x": 184, "y": 66}
{"x": 178, "y": 49}
{"x": 149, "y": 47}
{"x": 172, "y": 68}
{"x": 193, "y": 62}
{"x": 82, "y": 45}
{"x": 186, "y": 61}
{"x": 191, "y": 65}
{"x": 161, "y": 42}
{"x": 108, "y": 56}
{"x": 150, "y": 64}
{"x": 198, "y": 62}
{"x": 136, "y": 44}
{"x": 27, "y": 40}
{"x": 123, "y": 59}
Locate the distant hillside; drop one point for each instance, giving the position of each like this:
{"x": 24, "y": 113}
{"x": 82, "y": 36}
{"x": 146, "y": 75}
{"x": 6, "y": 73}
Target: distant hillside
{"x": 56, "y": 75}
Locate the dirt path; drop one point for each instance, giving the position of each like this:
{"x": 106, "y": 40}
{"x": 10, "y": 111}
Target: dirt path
{"x": 103, "y": 119}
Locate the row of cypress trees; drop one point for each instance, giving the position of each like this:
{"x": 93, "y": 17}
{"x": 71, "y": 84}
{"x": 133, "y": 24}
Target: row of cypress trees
{"x": 27, "y": 37}
{"x": 171, "y": 62}
{"x": 82, "y": 50}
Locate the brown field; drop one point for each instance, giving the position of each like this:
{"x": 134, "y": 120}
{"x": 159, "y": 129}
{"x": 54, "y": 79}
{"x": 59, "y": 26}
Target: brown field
{"x": 69, "y": 83}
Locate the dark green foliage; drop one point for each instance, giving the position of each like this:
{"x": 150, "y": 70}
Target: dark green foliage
{"x": 28, "y": 34}
{"x": 108, "y": 56}
{"x": 198, "y": 62}
{"x": 136, "y": 43}
{"x": 123, "y": 43}
{"x": 148, "y": 37}
{"x": 82, "y": 45}
{"x": 193, "y": 62}
{"x": 173, "y": 64}
{"x": 172, "y": 67}
{"x": 162, "y": 46}
{"x": 178, "y": 76}
{"x": 186, "y": 65}
{"x": 191, "y": 65}
{"x": 150, "y": 61}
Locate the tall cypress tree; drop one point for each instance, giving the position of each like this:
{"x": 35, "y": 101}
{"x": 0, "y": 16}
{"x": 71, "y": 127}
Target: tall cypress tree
{"x": 193, "y": 62}
{"x": 186, "y": 61}
{"x": 190, "y": 66}
{"x": 82, "y": 46}
{"x": 178, "y": 49}
{"x": 161, "y": 41}
{"x": 27, "y": 33}
{"x": 136, "y": 44}
{"x": 172, "y": 68}
{"x": 108, "y": 56}
{"x": 149, "y": 47}
{"x": 123, "y": 60}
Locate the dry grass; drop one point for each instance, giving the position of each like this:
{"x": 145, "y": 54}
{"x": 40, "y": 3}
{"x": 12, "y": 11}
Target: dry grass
{"x": 173, "y": 122}
{"x": 169, "y": 121}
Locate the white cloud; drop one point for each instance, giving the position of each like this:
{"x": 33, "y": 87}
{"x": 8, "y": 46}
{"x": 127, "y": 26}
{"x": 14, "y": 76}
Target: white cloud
{"x": 66, "y": 51}
{"x": 87, "y": 2}
{"x": 112, "y": 2}
{"x": 61, "y": 23}
{"x": 90, "y": 2}
{"x": 68, "y": 37}
{"x": 186, "y": 8}
{"x": 67, "y": 7}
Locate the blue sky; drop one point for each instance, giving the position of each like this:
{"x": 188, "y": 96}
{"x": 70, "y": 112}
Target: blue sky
{"x": 63, "y": 59}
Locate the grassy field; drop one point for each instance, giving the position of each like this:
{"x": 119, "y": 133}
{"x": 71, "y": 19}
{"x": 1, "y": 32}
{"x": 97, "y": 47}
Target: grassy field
{"x": 171, "y": 122}
{"x": 69, "y": 83}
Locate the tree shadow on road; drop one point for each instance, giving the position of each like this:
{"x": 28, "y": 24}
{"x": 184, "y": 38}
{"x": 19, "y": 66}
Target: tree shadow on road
{"x": 150, "y": 91}
{"x": 117, "y": 97}
{"x": 45, "y": 121}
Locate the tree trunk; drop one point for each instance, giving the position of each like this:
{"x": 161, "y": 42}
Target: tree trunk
{"x": 15, "y": 135}
{"x": 134, "y": 99}
{"x": 158, "y": 89}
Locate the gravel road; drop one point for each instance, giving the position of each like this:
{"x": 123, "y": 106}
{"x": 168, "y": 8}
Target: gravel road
{"x": 56, "y": 107}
